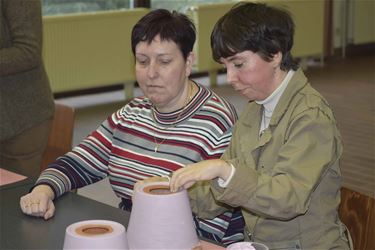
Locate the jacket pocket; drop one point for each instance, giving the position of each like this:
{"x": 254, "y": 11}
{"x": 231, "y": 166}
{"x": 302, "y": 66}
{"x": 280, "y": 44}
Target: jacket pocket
{"x": 284, "y": 245}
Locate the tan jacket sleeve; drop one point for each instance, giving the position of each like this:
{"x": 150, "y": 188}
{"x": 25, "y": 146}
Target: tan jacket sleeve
{"x": 203, "y": 203}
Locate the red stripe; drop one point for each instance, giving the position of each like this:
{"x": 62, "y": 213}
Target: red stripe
{"x": 162, "y": 164}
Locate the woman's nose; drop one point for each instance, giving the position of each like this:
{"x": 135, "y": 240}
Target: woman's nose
{"x": 152, "y": 70}
{"x": 231, "y": 76}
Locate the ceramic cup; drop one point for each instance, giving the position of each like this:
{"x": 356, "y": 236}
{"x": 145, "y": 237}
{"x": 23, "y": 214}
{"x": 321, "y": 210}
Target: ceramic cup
{"x": 161, "y": 219}
{"x": 247, "y": 246}
{"x": 95, "y": 234}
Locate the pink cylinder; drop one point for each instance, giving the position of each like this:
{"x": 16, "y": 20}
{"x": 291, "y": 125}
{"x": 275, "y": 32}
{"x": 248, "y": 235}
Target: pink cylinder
{"x": 161, "y": 219}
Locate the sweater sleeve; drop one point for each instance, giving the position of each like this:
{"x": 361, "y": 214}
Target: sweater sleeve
{"x": 87, "y": 163}
{"x": 23, "y": 49}
{"x": 222, "y": 117}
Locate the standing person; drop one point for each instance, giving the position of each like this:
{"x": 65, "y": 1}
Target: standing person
{"x": 26, "y": 101}
{"x": 177, "y": 122}
{"x": 282, "y": 165}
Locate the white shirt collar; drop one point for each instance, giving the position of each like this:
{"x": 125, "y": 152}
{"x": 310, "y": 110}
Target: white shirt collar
{"x": 269, "y": 104}
{"x": 271, "y": 101}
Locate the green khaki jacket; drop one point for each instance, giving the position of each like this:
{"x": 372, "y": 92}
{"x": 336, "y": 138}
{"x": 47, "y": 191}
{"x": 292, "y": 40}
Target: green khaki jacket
{"x": 287, "y": 181}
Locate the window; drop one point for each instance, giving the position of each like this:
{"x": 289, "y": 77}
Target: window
{"x": 180, "y": 5}
{"x": 57, "y": 7}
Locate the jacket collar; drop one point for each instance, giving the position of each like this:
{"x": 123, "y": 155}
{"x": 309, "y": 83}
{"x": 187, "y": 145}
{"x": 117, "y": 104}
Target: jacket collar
{"x": 297, "y": 82}
{"x": 253, "y": 111}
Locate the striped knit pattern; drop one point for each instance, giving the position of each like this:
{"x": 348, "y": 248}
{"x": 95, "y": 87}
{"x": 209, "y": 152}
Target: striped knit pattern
{"x": 122, "y": 148}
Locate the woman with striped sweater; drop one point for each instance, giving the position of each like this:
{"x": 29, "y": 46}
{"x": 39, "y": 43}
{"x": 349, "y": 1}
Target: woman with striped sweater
{"x": 177, "y": 122}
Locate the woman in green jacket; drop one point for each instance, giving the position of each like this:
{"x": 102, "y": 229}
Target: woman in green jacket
{"x": 282, "y": 165}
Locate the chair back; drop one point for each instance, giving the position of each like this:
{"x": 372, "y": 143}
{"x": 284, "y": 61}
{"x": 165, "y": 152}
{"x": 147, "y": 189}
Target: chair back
{"x": 61, "y": 135}
{"x": 357, "y": 212}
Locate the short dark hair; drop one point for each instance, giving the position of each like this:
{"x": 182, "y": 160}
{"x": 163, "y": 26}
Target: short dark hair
{"x": 170, "y": 26}
{"x": 262, "y": 29}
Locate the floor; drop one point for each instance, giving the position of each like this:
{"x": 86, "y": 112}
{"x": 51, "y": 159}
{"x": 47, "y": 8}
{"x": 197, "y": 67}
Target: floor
{"x": 347, "y": 84}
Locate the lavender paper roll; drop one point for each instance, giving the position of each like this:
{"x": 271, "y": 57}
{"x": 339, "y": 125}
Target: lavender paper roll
{"x": 161, "y": 219}
{"x": 95, "y": 234}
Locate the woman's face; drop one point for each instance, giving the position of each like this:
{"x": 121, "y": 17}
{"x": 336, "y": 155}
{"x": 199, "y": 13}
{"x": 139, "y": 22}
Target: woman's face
{"x": 162, "y": 73}
{"x": 251, "y": 75}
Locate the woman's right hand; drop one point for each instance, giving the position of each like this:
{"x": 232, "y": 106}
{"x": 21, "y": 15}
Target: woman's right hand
{"x": 39, "y": 202}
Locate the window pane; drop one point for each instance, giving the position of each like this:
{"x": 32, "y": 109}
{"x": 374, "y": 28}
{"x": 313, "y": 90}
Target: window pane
{"x": 180, "y": 5}
{"x": 56, "y": 7}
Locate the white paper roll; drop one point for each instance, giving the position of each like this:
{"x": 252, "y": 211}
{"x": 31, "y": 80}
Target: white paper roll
{"x": 95, "y": 234}
{"x": 247, "y": 246}
{"x": 161, "y": 219}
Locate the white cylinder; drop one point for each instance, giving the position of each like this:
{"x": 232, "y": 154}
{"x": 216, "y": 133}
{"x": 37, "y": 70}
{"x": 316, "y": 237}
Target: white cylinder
{"x": 95, "y": 234}
{"x": 161, "y": 219}
{"x": 247, "y": 246}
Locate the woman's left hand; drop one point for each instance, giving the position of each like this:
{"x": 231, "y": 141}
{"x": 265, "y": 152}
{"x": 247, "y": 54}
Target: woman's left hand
{"x": 201, "y": 171}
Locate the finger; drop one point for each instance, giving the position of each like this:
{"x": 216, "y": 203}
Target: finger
{"x": 50, "y": 211}
{"x": 43, "y": 205}
{"x": 28, "y": 209}
{"x": 173, "y": 178}
{"x": 179, "y": 179}
{"x": 188, "y": 184}
{"x": 31, "y": 207}
{"x": 48, "y": 215}
{"x": 35, "y": 208}
{"x": 24, "y": 202}
{"x": 166, "y": 178}
{"x": 23, "y": 206}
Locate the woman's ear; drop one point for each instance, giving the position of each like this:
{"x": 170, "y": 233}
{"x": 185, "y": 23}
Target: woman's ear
{"x": 190, "y": 60}
{"x": 276, "y": 59}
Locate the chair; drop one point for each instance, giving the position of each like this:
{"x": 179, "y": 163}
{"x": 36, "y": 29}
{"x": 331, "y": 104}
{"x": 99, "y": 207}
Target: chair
{"x": 357, "y": 212}
{"x": 61, "y": 135}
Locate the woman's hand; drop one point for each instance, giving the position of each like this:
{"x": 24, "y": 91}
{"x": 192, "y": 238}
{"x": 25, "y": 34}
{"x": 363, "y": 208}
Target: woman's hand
{"x": 39, "y": 202}
{"x": 201, "y": 171}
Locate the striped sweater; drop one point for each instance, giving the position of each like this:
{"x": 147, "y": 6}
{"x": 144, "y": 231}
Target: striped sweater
{"x": 123, "y": 149}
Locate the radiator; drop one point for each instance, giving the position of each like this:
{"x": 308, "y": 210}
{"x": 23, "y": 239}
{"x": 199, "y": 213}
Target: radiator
{"x": 88, "y": 50}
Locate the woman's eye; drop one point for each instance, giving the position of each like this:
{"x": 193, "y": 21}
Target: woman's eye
{"x": 165, "y": 62}
{"x": 141, "y": 61}
{"x": 144, "y": 63}
{"x": 238, "y": 65}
